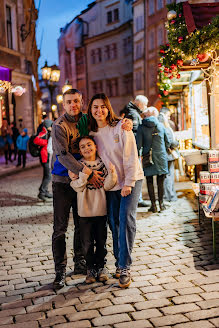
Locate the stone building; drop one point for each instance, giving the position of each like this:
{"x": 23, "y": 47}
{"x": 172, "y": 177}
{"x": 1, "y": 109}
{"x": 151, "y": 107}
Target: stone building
{"x": 95, "y": 51}
{"x": 18, "y": 63}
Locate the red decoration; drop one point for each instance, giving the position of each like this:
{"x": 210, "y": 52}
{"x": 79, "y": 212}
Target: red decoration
{"x": 180, "y": 62}
{"x": 202, "y": 57}
{"x": 166, "y": 74}
{"x": 180, "y": 15}
{"x": 173, "y": 66}
{"x": 171, "y": 77}
{"x": 162, "y": 51}
{"x": 159, "y": 95}
{"x": 165, "y": 92}
{"x": 172, "y": 22}
{"x": 180, "y": 39}
{"x": 159, "y": 65}
{"x": 178, "y": 76}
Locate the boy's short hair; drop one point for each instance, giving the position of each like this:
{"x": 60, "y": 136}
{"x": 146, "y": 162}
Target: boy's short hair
{"x": 84, "y": 137}
{"x": 72, "y": 92}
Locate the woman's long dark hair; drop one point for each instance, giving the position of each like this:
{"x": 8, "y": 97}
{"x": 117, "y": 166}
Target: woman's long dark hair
{"x": 111, "y": 119}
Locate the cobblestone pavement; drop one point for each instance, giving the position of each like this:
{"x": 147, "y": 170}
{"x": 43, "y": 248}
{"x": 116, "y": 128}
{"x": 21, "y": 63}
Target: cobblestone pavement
{"x": 175, "y": 280}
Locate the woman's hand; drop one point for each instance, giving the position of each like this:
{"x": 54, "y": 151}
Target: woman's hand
{"x": 72, "y": 175}
{"x": 127, "y": 124}
{"x": 126, "y": 190}
{"x": 97, "y": 180}
{"x": 112, "y": 167}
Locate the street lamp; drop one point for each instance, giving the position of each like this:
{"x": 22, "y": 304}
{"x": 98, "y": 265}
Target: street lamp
{"x": 66, "y": 86}
{"x": 50, "y": 75}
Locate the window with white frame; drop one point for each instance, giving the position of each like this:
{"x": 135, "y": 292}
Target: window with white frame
{"x": 112, "y": 16}
{"x": 96, "y": 56}
{"x": 160, "y": 36}
{"x": 151, "y": 40}
{"x": 11, "y": 24}
{"x": 110, "y": 51}
{"x": 139, "y": 47}
{"x": 139, "y": 23}
{"x": 151, "y": 9}
{"x": 159, "y": 4}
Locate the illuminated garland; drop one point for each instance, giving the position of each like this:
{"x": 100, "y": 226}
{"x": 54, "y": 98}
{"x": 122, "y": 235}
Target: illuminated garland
{"x": 5, "y": 85}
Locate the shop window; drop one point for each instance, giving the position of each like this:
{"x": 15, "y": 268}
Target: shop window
{"x": 112, "y": 87}
{"x": 159, "y": 4}
{"x": 127, "y": 45}
{"x": 151, "y": 7}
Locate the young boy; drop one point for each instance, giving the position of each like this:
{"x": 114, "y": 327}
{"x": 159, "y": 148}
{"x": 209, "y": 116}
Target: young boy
{"x": 21, "y": 142}
{"x": 92, "y": 209}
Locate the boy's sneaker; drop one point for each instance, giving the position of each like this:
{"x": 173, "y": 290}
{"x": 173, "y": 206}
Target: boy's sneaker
{"x": 59, "y": 281}
{"x": 91, "y": 276}
{"x": 42, "y": 197}
{"x": 125, "y": 278}
{"x": 117, "y": 273}
{"x": 102, "y": 274}
{"x": 80, "y": 267}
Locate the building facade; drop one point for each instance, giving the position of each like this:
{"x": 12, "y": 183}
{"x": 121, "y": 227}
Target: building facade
{"x": 96, "y": 51}
{"x": 18, "y": 63}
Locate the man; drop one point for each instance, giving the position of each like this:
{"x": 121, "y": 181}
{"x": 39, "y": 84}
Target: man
{"x": 65, "y": 157}
{"x": 134, "y": 111}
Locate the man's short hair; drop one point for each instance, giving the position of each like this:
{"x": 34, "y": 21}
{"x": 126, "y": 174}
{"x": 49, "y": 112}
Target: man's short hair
{"x": 141, "y": 99}
{"x": 72, "y": 92}
{"x": 164, "y": 110}
{"x": 151, "y": 111}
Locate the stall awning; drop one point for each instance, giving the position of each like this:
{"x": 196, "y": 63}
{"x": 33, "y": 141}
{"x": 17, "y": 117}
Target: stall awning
{"x": 5, "y": 74}
{"x": 199, "y": 15}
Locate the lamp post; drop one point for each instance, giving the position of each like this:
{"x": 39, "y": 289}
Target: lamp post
{"x": 51, "y": 75}
{"x": 66, "y": 86}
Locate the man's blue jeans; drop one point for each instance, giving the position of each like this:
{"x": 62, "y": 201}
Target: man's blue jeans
{"x": 122, "y": 222}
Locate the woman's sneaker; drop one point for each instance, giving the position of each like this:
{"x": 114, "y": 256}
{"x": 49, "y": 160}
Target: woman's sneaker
{"x": 117, "y": 273}
{"x": 102, "y": 274}
{"x": 91, "y": 276}
{"x": 125, "y": 278}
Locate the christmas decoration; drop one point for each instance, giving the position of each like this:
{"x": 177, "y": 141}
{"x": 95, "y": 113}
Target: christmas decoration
{"x": 171, "y": 14}
{"x": 5, "y": 85}
{"x": 203, "y": 57}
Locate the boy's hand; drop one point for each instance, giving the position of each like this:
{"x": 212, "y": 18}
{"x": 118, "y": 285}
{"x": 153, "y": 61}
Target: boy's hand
{"x": 97, "y": 179}
{"x": 86, "y": 170}
{"x": 127, "y": 124}
{"x": 126, "y": 190}
{"x": 112, "y": 167}
{"x": 72, "y": 175}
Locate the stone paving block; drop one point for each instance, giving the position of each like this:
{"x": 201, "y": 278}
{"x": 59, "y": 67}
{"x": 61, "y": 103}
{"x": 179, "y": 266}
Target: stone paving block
{"x": 20, "y": 292}
{"x": 29, "y": 317}
{"x": 151, "y": 304}
{"x": 163, "y": 294}
{"x": 151, "y": 289}
{"x": 95, "y": 297}
{"x": 28, "y": 324}
{"x": 110, "y": 319}
{"x": 16, "y": 304}
{"x": 39, "y": 307}
{"x": 78, "y": 324}
{"x": 209, "y": 296}
{"x": 134, "y": 324}
{"x": 177, "y": 285}
{"x": 186, "y": 299}
{"x": 179, "y": 308}
{"x": 113, "y": 309}
{"x": 40, "y": 293}
{"x": 169, "y": 320}
{"x": 161, "y": 281}
{"x": 11, "y": 312}
{"x": 189, "y": 290}
{"x": 215, "y": 321}
{"x": 90, "y": 314}
{"x": 64, "y": 303}
{"x": 195, "y": 324}
{"x": 61, "y": 311}
{"x": 207, "y": 304}
{"x": 146, "y": 314}
{"x": 203, "y": 314}
{"x": 6, "y": 320}
{"x": 128, "y": 299}
{"x": 52, "y": 321}
{"x": 126, "y": 292}
{"x": 211, "y": 288}
{"x": 93, "y": 305}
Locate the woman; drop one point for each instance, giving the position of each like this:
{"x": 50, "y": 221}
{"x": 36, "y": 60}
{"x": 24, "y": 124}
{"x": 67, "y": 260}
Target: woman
{"x": 151, "y": 135}
{"x": 118, "y": 146}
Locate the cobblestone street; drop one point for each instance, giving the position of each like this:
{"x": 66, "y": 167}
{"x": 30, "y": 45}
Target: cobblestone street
{"x": 175, "y": 281}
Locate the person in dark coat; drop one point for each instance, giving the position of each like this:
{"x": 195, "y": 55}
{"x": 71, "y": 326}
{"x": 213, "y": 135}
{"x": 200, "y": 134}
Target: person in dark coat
{"x": 42, "y": 140}
{"x": 15, "y": 134}
{"x": 152, "y": 135}
{"x": 134, "y": 111}
{"x": 169, "y": 189}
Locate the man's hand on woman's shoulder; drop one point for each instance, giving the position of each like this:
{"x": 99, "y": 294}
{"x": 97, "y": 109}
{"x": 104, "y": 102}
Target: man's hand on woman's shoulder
{"x": 127, "y": 124}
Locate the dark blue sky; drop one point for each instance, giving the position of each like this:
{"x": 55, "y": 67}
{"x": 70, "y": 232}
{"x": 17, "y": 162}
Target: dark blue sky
{"x": 54, "y": 14}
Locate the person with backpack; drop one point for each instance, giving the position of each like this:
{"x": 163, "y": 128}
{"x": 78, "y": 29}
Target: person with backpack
{"x": 42, "y": 140}
{"x": 21, "y": 143}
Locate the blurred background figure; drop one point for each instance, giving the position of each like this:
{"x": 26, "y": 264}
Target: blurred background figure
{"x": 22, "y": 142}
{"x": 6, "y": 140}
{"x": 44, "y": 117}
{"x": 134, "y": 111}
{"x": 172, "y": 154}
{"x": 152, "y": 137}
{"x": 15, "y": 134}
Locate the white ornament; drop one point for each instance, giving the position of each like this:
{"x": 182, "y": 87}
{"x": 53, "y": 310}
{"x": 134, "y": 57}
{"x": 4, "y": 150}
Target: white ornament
{"x": 171, "y": 14}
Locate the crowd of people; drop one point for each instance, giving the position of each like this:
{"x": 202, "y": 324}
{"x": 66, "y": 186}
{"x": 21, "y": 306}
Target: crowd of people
{"x": 97, "y": 162}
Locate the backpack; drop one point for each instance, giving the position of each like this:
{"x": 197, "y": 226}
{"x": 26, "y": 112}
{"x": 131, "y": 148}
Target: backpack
{"x": 34, "y": 149}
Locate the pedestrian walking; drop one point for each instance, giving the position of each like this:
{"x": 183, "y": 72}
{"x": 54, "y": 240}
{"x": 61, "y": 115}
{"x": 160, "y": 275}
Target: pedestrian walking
{"x": 118, "y": 147}
{"x": 92, "y": 209}
{"x": 15, "y": 134}
{"x": 21, "y": 143}
{"x": 153, "y": 140}
{"x": 172, "y": 155}
{"x": 134, "y": 111}
{"x": 6, "y": 142}
{"x": 42, "y": 140}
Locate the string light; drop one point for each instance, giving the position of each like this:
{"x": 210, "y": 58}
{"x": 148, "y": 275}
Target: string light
{"x": 5, "y": 85}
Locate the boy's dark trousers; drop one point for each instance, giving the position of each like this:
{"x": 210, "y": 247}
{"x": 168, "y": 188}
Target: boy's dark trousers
{"x": 23, "y": 154}
{"x": 64, "y": 198}
{"x": 93, "y": 232}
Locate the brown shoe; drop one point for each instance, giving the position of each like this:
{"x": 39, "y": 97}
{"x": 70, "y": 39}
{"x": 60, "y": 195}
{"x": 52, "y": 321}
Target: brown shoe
{"x": 125, "y": 278}
{"x": 91, "y": 276}
{"x": 117, "y": 273}
{"x": 102, "y": 275}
